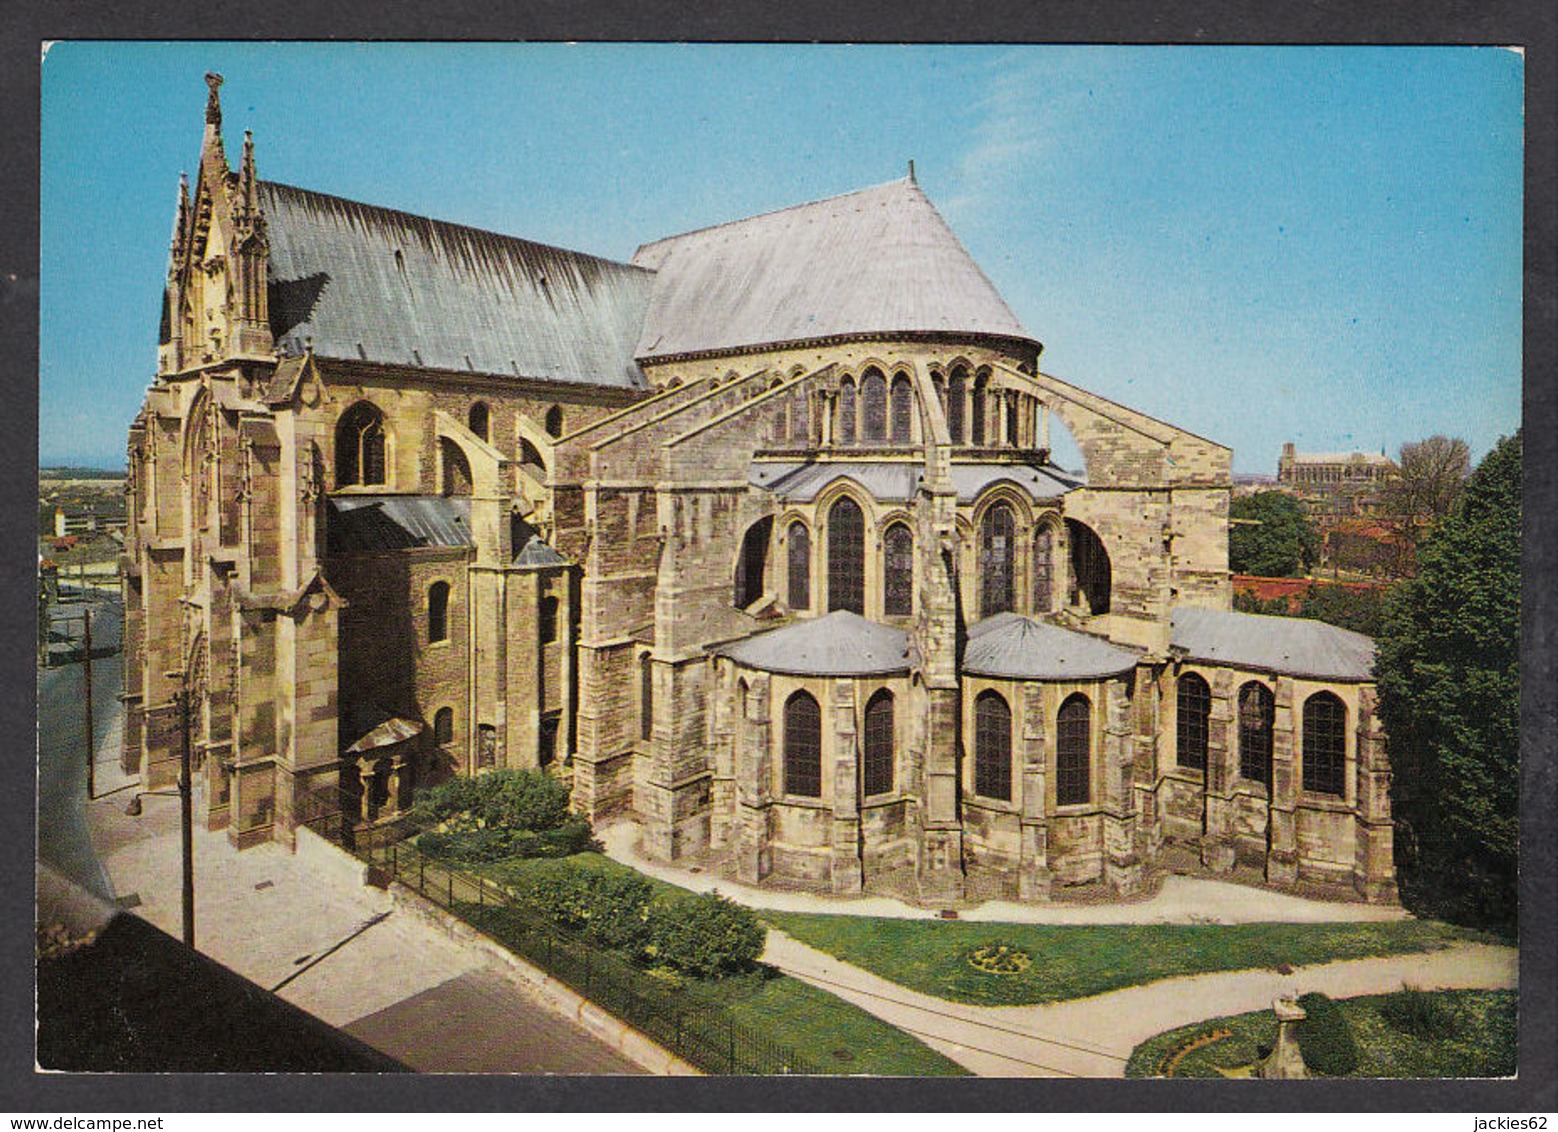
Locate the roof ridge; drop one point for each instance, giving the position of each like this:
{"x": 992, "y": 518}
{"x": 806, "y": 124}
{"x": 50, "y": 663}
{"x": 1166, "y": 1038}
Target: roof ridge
{"x": 779, "y": 212}
{"x": 453, "y": 225}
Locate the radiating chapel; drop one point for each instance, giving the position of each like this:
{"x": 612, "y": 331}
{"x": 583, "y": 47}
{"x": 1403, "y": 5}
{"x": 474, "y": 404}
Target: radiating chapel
{"x": 756, "y": 540}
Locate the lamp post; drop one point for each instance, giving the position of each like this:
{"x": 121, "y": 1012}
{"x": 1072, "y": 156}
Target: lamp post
{"x": 186, "y": 816}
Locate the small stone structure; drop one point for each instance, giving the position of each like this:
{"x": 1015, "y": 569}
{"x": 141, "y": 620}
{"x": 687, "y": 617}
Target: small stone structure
{"x": 1286, "y": 1062}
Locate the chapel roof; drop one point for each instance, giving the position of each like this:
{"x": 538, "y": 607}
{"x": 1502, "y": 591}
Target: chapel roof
{"x": 839, "y": 644}
{"x": 366, "y": 283}
{"x": 367, "y": 524}
{"x": 1290, "y": 645}
{"x": 1014, "y": 647}
{"x": 877, "y": 261}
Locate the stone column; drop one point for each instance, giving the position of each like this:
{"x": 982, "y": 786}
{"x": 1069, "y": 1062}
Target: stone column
{"x": 1217, "y": 850}
{"x": 1033, "y": 875}
{"x": 1374, "y": 873}
{"x": 397, "y": 776}
{"x": 844, "y": 833}
{"x": 1149, "y": 822}
{"x": 365, "y": 775}
{"x": 1282, "y": 822}
{"x": 940, "y": 863}
{"x": 754, "y": 778}
{"x": 1122, "y": 865}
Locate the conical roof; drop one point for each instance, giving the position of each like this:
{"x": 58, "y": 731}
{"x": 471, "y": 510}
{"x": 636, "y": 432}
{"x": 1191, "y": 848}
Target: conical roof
{"x": 1014, "y": 647}
{"x": 877, "y": 261}
{"x": 840, "y": 644}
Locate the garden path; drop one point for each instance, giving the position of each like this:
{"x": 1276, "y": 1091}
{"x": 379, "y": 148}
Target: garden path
{"x": 1093, "y": 1037}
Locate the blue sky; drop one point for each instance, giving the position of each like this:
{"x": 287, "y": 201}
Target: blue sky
{"x": 1256, "y": 244}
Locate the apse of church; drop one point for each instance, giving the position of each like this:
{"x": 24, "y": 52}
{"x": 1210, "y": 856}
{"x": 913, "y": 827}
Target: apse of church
{"x": 758, "y": 540}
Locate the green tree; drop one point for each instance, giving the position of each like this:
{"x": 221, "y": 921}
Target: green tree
{"x": 1449, "y": 687}
{"x": 1271, "y": 536}
{"x": 1432, "y": 475}
{"x": 1362, "y": 611}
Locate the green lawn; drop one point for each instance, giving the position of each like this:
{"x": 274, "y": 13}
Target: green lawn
{"x": 834, "y": 1035}
{"x": 1479, "y": 1040}
{"x": 1065, "y": 962}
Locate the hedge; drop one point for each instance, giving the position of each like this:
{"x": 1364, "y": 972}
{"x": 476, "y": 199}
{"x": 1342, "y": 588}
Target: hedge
{"x": 1324, "y": 1037}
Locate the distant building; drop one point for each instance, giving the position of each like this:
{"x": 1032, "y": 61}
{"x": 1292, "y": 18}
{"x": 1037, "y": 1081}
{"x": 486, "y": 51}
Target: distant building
{"x": 755, "y": 540}
{"x": 1335, "y": 485}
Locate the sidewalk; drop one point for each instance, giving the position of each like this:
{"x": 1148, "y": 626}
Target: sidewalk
{"x": 335, "y": 948}
{"x": 1180, "y": 900}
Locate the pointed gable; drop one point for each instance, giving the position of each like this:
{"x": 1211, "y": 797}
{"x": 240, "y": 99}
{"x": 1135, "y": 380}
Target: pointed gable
{"x": 877, "y": 261}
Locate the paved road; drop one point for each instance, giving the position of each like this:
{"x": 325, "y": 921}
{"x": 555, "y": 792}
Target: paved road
{"x": 62, "y": 770}
{"x": 468, "y": 1024}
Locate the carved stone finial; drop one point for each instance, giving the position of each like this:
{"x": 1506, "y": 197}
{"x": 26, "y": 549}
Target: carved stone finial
{"x": 213, "y": 100}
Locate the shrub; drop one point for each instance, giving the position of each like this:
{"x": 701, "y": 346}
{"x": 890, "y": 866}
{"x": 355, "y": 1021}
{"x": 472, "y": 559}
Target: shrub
{"x": 1418, "y": 1013}
{"x": 705, "y": 935}
{"x": 616, "y": 912}
{"x": 1324, "y": 1037}
{"x": 511, "y": 801}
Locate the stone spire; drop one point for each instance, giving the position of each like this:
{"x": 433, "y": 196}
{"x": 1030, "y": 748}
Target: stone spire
{"x": 180, "y": 223}
{"x": 211, "y": 151}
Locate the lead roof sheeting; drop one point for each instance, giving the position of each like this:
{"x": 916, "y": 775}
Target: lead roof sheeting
{"x": 1290, "y": 645}
{"x": 888, "y": 482}
{"x": 1048, "y": 482}
{"x": 880, "y": 260}
{"x": 1014, "y": 647}
{"x": 840, "y": 644}
{"x": 370, "y": 523}
{"x": 455, "y": 298}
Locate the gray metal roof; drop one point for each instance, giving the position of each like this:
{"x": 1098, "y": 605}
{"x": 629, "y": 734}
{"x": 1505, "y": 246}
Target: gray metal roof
{"x": 367, "y": 524}
{"x": 897, "y": 481}
{"x": 1014, "y": 647}
{"x": 880, "y": 260}
{"x": 1047, "y": 482}
{"x": 803, "y": 482}
{"x": 530, "y": 550}
{"x": 840, "y": 644}
{"x": 1289, "y": 645}
{"x": 378, "y": 285}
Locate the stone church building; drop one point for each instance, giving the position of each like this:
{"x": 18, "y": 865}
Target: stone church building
{"x": 755, "y": 539}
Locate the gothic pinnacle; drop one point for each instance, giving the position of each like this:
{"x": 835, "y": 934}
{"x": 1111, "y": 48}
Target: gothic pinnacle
{"x": 213, "y": 100}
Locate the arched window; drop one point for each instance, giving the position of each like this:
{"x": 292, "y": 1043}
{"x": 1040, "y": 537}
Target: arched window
{"x": 1090, "y": 571}
{"x": 752, "y": 563}
{"x": 1194, "y": 710}
{"x": 1257, "y": 719}
{"x": 443, "y": 726}
{"x": 1325, "y": 745}
{"x": 359, "y": 446}
{"x": 846, "y": 557}
{"x": 438, "y": 612}
{"x": 997, "y": 553}
{"x": 957, "y": 392}
{"x": 1043, "y": 569}
{"x": 903, "y": 409}
{"x": 456, "y": 468}
{"x": 548, "y": 619}
{"x": 546, "y": 747}
{"x": 802, "y": 746}
{"x": 554, "y": 421}
{"x": 479, "y": 419}
{"x": 979, "y": 409}
{"x": 646, "y": 698}
{"x": 800, "y": 416}
{"x": 873, "y": 407}
{"x": 846, "y": 430}
{"x": 1073, "y": 751}
{"x": 992, "y": 747}
{"x": 878, "y": 772}
{"x": 898, "y": 572}
{"x": 798, "y": 547}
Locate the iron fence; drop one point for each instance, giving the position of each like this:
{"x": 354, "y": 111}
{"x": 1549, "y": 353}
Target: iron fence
{"x": 693, "y": 1026}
